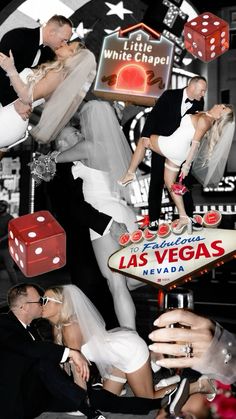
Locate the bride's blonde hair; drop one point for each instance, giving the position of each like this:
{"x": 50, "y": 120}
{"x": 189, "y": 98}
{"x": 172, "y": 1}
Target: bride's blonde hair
{"x": 214, "y": 134}
{"x": 66, "y": 314}
{"x": 63, "y": 65}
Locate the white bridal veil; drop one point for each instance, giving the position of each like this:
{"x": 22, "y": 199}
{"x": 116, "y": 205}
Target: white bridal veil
{"x": 92, "y": 327}
{"x": 108, "y": 149}
{"x": 209, "y": 172}
{"x": 66, "y": 98}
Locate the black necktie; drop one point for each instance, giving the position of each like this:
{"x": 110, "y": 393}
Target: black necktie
{"x": 188, "y": 100}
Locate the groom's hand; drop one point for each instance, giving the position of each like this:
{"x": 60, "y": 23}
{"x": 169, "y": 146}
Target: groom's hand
{"x": 117, "y": 229}
{"x": 23, "y": 110}
{"x": 80, "y": 363}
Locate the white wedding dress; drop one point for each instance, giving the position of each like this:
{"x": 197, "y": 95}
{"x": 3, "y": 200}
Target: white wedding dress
{"x": 98, "y": 191}
{"x": 12, "y": 126}
{"x": 124, "y": 349}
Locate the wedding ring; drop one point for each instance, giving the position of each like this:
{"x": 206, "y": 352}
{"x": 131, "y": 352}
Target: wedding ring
{"x": 187, "y": 348}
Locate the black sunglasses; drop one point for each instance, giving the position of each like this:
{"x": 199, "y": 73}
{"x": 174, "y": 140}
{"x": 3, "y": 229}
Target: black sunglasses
{"x": 40, "y": 301}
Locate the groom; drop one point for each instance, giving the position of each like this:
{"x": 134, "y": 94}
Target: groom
{"x": 31, "y": 379}
{"x": 164, "y": 119}
{"x": 29, "y": 48}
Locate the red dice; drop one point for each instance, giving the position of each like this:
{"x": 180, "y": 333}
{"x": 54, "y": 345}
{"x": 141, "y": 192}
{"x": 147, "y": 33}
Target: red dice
{"x": 206, "y": 36}
{"x": 37, "y": 243}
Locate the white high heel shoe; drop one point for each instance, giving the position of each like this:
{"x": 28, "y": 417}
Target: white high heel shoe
{"x": 180, "y": 229}
{"x": 126, "y": 179}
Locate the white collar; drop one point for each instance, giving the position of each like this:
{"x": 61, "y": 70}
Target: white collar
{"x": 23, "y": 324}
{"x": 40, "y": 35}
{"x": 185, "y": 96}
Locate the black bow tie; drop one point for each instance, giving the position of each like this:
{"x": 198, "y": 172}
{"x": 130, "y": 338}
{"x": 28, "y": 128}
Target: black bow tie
{"x": 188, "y": 100}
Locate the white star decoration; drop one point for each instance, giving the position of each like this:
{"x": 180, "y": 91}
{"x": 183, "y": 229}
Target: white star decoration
{"x": 80, "y": 31}
{"x": 118, "y": 10}
{"x": 108, "y": 31}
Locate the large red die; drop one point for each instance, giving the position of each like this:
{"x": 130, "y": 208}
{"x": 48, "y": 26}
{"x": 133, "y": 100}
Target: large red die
{"x": 37, "y": 243}
{"x": 206, "y": 36}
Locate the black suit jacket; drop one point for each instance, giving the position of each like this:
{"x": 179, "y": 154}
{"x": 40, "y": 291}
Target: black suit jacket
{"x": 24, "y": 44}
{"x": 18, "y": 353}
{"x": 165, "y": 116}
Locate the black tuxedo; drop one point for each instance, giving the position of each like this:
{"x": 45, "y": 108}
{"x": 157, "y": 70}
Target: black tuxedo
{"x": 31, "y": 380}
{"x": 164, "y": 119}
{"x": 24, "y": 44}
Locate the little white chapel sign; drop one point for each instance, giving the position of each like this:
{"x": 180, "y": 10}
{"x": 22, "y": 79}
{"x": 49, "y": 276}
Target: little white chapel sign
{"x": 135, "y": 65}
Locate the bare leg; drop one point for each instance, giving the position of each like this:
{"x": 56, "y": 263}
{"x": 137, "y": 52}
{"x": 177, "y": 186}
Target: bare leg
{"x": 123, "y": 302}
{"x": 137, "y": 158}
{"x": 140, "y": 383}
{"x": 115, "y": 382}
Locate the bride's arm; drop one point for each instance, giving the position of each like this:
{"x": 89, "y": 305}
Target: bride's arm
{"x": 73, "y": 339}
{"x": 72, "y": 336}
{"x": 22, "y": 89}
{"x": 202, "y": 127}
{"x": 47, "y": 85}
{"x": 42, "y": 89}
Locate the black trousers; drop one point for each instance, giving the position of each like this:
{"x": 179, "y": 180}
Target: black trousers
{"x": 47, "y": 388}
{"x": 156, "y": 189}
{"x": 108, "y": 402}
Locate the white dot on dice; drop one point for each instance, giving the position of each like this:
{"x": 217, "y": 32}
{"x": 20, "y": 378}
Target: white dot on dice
{"x": 40, "y": 219}
{"x": 32, "y": 234}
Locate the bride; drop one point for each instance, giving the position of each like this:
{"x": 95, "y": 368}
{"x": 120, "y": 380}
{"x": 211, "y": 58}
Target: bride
{"x": 120, "y": 354}
{"x": 68, "y": 77}
{"x": 100, "y": 155}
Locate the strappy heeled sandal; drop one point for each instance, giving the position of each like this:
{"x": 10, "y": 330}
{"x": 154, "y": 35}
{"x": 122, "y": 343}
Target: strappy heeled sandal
{"x": 180, "y": 229}
{"x": 126, "y": 179}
